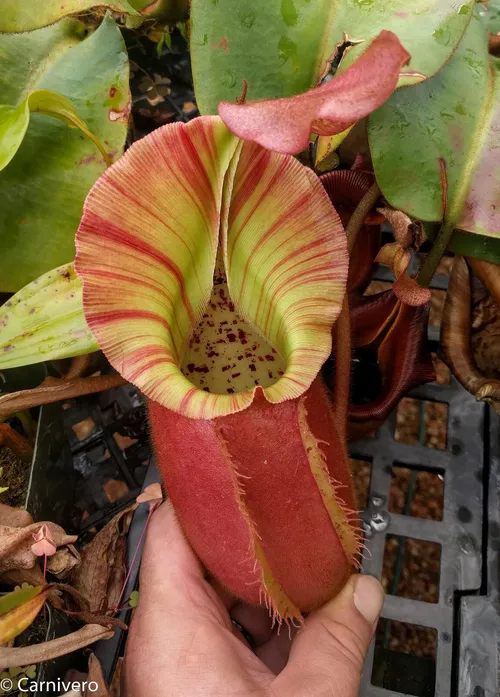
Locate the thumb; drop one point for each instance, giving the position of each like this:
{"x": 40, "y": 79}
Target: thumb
{"x": 328, "y": 653}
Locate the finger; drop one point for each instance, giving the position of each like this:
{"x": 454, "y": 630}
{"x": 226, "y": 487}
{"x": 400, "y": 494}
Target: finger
{"x": 180, "y": 641}
{"x": 171, "y": 577}
{"x": 328, "y": 653}
{"x": 275, "y": 652}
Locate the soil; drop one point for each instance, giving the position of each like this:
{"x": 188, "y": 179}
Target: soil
{"x": 15, "y": 475}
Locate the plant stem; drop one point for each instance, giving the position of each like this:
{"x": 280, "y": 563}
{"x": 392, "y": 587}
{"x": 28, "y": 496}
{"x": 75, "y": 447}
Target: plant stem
{"x": 136, "y": 552}
{"x": 432, "y": 260}
{"x": 342, "y": 369}
{"x": 343, "y": 325}
{"x": 358, "y": 217}
{"x": 55, "y": 389}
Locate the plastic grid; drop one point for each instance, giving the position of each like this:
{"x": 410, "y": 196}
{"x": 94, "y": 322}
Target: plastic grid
{"x": 460, "y": 532}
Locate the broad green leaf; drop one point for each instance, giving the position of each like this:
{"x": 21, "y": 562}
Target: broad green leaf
{"x": 211, "y": 266}
{"x": 489, "y": 11}
{"x": 26, "y": 15}
{"x": 454, "y": 116}
{"x": 9, "y": 601}
{"x": 43, "y": 188}
{"x": 283, "y": 47}
{"x": 15, "y": 621}
{"x": 45, "y": 321}
{"x": 14, "y": 121}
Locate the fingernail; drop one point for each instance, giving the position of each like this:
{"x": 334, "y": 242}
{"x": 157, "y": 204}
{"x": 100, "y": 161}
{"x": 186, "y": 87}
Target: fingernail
{"x": 368, "y": 597}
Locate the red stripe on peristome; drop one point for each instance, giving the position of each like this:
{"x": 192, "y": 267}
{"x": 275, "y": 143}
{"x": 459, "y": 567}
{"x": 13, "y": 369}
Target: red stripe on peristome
{"x": 111, "y": 232}
{"x": 146, "y": 367}
{"x": 298, "y": 280}
{"x": 292, "y": 212}
{"x": 137, "y": 203}
{"x": 284, "y": 269}
{"x": 203, "y": 200}
{"x": 100, "y": 292}
{"x": 248, "y": 181}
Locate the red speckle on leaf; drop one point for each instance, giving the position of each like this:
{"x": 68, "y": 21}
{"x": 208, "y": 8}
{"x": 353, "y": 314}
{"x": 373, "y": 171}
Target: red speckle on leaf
{"x": 87, "y": 160}
{"x": 112, "y": 92}
{"x": 269, "y": 357}
{"x": 65, "y": 274}
{"x": 231, "y": 337}
{"x": 252, "y": 367}
{"x": 223, "y": 44}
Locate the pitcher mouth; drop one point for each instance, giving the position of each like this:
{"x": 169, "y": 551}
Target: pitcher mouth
{"x": 225, "y": 354}
{"x": 200, "y": 253}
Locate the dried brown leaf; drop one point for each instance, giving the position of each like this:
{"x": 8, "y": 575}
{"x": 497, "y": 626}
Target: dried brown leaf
{"x": 407, "y": 232}
{"x": 54, "y": 390}
{"x": 47, "y": 650}
{"x": 63, "y": 561}
{"x": 151, "y": 494}
{"x": 16, "y": 544}
{"x": 17, "y": 577}
{"x": 456, "y": 330}
{"x": 102, "y": 571}
{"x": 485, "y": 336}
{"x": 96, "y": 676}
{"x": 15, "y": 517}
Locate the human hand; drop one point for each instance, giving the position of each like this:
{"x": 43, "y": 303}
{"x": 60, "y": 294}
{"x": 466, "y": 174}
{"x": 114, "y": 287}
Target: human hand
{"x": 182, "y": 642}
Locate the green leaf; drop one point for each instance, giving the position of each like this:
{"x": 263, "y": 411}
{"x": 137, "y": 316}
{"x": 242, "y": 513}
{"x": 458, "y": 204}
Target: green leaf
{"x": 43, "y": 188}
{"x": 282, "y": 47}
{"x": 9, "y": 601}
{"x": 14, "y": 121}
{"x": 26, "y": 15}
{"x": 454, "y": 116}
{"x": 490, "y": 15}
{"x": 16, "y": 620}
{"x": 466, "y": 244}
{"x": 45, "y": 321}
